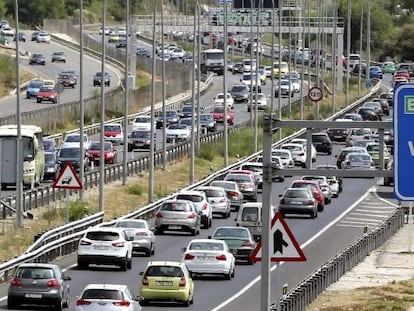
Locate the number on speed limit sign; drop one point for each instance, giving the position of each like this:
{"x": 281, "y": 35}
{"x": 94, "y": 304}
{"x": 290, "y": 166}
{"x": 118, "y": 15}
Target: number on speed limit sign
{"x": 315, "y": 93}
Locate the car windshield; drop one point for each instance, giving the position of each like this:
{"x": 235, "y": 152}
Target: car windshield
{"x": 178, "y": 127}
{"x": 190, "y": 197}
{"x": 187, "y": 109}
{"x": 142, "y": 120}
{"x": 206, "y": 246}
{"x": 214, "y": 193}
{"x": 164, "y": 271}
{"x": 105, "y": 294}
{"x": 49, "y": 158}
{"x": 224, "y": 185}
{"x": 171, "y": 113}
{"x": 239, "y": 178}
{"x": 218, "y": 109}
{"x": 75, "y": 139}
{"x": 49, "y": 145}
{"x": 206, "y": 117}
{"x": 249, "y": 213}
{"x": 239, "y": 88}
{"x": 292, "y": 148}
{"x": 35, "y": 273}
{"x": 58, "y": 53}
{"x": 46, "y": 89}
{"x": 296, "y": 194}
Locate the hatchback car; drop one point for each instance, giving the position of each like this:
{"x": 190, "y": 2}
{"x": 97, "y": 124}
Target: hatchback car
{"x": 285, "y": 156}
{"x": 217, "y": 198}
{"x": 332, "y": 167}
{"x": 239, "y": 240}
{"x": 67, "y": 80}
{"x": 109, "y": 151}
{"x": 373, "y": 149}
{"x": 240, "y": 92}
{"x": 37, "y": 59}
{"x": 177, "y": 215}
{"x": 108, "y": 297}
{"x": 178, "y": 132}
{"x": 100, "y": 78}
{"x": 358, "y": 161}
{"x": 219, "y": 99}
{"x": 322, "y": 143}
{"x": 315, "y": 189}
{"x": 142, "y": 123}
{"x": 247, "y": 184}
{"x": 51, "y": 166}
{"x": 59, "y": 57}
{"x": 341, "y": 156}
{"x": 33, "y": 88}
{"x": 140, "y": 140}
{"x": 70, "y": 153}
{"x": 43, "y": 37}
{"x": 207, "y": 122}
{"x": 166, "y": 281}
{"x": 207, "y": 256}
{"x": 139, "y": 229}
{"x": 298, "y": 153}
{"x": 298, "y": 201}
{"x": 232, "y": 191}
{"x": 114, "y": 133}
{"x": 47, "y": 93}
{"x": 323, "y": 184}
{"x": 105, "y": 246}
{"x": 357, "y": 134}
{"x": 218, "y": 114}
{"x": 39, "y": 284}
{"x": 170, "y": 116}
{"x": 259, "y": 101}
{"x": 201, "y": 204}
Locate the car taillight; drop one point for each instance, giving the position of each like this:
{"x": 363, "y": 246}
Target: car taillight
{"x": 246, "y": 244}
{"x": 192, "y": 215}
{"x": 158, "y": 215}
{"x": 122, "y": 303}
{"x": 311, "y": 202}
{"x": 16, "y": 282}
{"x": 233, "y": 194}
{"x": 82, "y": 302}
{"x": 182, "y": 281}
{"x": 282, "y": 201}
{"x": 189, "y": 257}
{"x": 221, "y": 257}
{"x": 205, "y": 205}
{"x": 222, "y": 200}
{"x": 301, "y": 154}
{"x": 83, "y": 242}
{"x": 145, "y": 281}
{"x": 141, "y": 234}
{"x": 118, "y": 244}
{"x": 53, "y": 283}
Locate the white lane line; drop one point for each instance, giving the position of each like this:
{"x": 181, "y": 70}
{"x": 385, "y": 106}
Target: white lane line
{"x": 333, "y": 222}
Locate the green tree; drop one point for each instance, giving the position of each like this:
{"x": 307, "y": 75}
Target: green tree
{"x": 402, "y": 44}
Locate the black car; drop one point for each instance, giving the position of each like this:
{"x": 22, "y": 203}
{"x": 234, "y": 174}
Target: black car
{"x": 37, "y": 59}
{"x": 338, "y": 134}
{"x": 34, "y": 35}
{"x": 51, "y": 166}
{"x": 143, "y": 51}
{"x": 21, "y": 37}
{"x": 121, "y": 43}
{"x": 322, "y": 142}
{"x": 72, "y": 154}
{"x": 237, "y": 68}
{"x": 240, "y": 92}
{"x": 187, "y": 111}
{"x": 59, "y": 57}
{"x": 99, "y": 77}
{"x": 171, "y": 116}
{"x": 207, "y": 122}
{"x": 368, "y": 114}
{"x": 140, "y": 140}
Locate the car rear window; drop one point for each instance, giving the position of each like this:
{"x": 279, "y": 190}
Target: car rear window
{"x": 175, "y": 207}
{"x": 250, "y": 213}
{"x": 166, "y": 271}
{"x": 35, "y": 273}
{"x": 296, "y": 194}
{"x": 206, "y": 246}
{"x": 102, "y": 294}
{"x": 102, "y": 236}
{"x": 231, "y": 232}
{"x": 190, "y": 197}
{"x": 130, "y": 224}
{"x": 213, "y": 193}
{"x": 239, "y": 178}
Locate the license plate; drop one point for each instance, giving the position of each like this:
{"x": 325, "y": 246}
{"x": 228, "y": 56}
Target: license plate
{"x": 205, "y": 258}
{"x": 33, "y": 295}
{"x": 163, "y": 283}
{"x": 100, "y": 247}
{"x": 296, "y": 202}
{"x": 174, "y": 227}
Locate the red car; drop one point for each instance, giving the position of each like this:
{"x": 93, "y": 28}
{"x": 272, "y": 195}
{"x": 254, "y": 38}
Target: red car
{"x": 313, "y": 185}
{"x": 403, "y": 73}
{"x": 67, "y": 80}
{"x": 110, "y": 153}
{"x": 47, "y": 93}
{"x": 218, "y": 114}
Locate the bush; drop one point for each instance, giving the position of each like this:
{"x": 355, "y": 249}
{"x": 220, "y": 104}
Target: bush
{"x": 136, "y": 190}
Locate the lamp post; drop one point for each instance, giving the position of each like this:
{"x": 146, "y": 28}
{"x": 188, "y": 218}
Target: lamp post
{"x": 126, "y": 97}
{"x": 226, "y": 137}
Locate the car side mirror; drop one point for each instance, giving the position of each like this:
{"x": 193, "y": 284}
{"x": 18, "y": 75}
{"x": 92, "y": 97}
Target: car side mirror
{"x": 209, "y": 237}
{"x": 66, "y": 278}
{"x": 183, "y": 249}
{"x": 141, "y": 273}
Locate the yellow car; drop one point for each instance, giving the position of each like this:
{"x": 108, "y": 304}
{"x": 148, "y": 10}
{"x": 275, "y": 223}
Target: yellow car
{"x": 49, "y": 83}
{"x": 280, "y": 69}
{"x": 166, "y": 281}
{"x": 113, "y": 38}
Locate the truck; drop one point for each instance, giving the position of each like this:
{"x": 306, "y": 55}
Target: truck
{"x": 212, "y": 60}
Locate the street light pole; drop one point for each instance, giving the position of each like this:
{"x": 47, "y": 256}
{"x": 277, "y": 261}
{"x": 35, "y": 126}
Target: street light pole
{"x": 126, "y": 98}
{"x": 348, "y": 50}
{"x": 226, "y": 136}
{"x": 81, "y": 103}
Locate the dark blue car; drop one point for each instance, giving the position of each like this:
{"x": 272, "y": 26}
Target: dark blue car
{"x": 375, "y": 72}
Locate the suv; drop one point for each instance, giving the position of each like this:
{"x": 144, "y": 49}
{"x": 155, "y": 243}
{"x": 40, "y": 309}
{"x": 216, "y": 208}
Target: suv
{"x": 240, "y": 92}
{"x": 37, "y": 59}
{"x": 341, "y": 157}
{"x": 201, "y": 204}
{"x": 99, "y": 77}
{"x": 105, "y": 246}
{"x": 322, "y": 142}
{"x": 59, "y": 57}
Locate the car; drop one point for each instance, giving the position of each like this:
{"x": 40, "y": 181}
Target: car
{"x": 398, "y": 80}
{"x": 304, "y": 143}
{"x": 298, "y": 201}
{"x": 113, "y": 37}
{"x": 384, "y": 105}
{"x": 217, "y": 198}
{"x": 201, "y": 204}
{"x": 110, "y": 153}
{"x": 229, "y": 65}
{"x": 388, "y": 67}
{"x": 140, "y": 230}
{"x": 352, "y": 116}
{"x": 51, "y": 166}
{"x": 251, "y": 81}
{"x": 121, "y": 43}
{"x": 239, "y": 240}
{"x": 259, "y": 101}
{"x": 298, "y": 153}
{"x": 59, "y": 57}
{"x": 389, "y": 180}
{"x": 387, "y": 96}
{"x": 67, "y": 80}
{"x": 218, "y": 100}
{"x": 357, "y": 134}
{"x": 362, "y": 142}
{"x": 339, "y": 134}
{"x": 315, "y": 189}
{"x": 402, "y": 73}
{"x": 240, "y": 92}
{"x": 105, "y": 246}
{"x": 73, "y": 140}
{"x": 143, "y": 51}
{"x": 341, "y": 156}
{"x": 250, "y": 216}
{"x": 37, "y": 59}
{"x": 43, "y": 37}
{"x": 71, "y": 153}
{"x": 262, "y": 75}
{"x": 338, "y": 180}
{"x": 39, "y": 284}
{"x": 285, "y": 88}
{"x": 322, "y": 142}
{"x": 142, "y": 123}
{"x": 70, "y": 72}
{"x": 177, "y": 215}
{"x": 99, "y": 77}
{"x": 285, "y": 157}
{"x": 34, "y": 35}
{"x": 368, "y": 114}
{"x": 375, "y": 72}
{"x": 7, "y": 31}
{"x": 177, "y": 132}
{"x": 170, "y": 116}
{"x": 105, "y": 31}
{"x": 47, "y": 94}
{"x": 108, "y": 297}
{"x": 207, "y": 122}
{"x": 323, "y": 184}
{"x": 376, "y": 106}
{"x": 247, "y": 184}
{"x": 141, "y": 140}
{"x": 358, "y": 161}
{"x": 187, "y": 111}
{"x": 166, "y": 281}
{"x": 232, "y": 191}
{"x": 218, "y": 114}
{"x": 280, "y": 69}
{"x": 249, "y": 65}
{"x": 189, "y": 123}
{"x": 114, "y": 133}
{"x": 33, "y": 88}
{"x": 21, "y": 37}
{"x": 373, "y": 149}
{"x": 237, "y": 68}
{"x": 208, "y": 256}
{"x": 49, "y": 145}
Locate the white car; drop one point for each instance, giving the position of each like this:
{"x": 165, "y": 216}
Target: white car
{"x": 298, "y": 153}
{"x": 219, "y": 100}
{"x": 286, "y": 157}
{"x": 176, "y": 52}
{"x": 122, "y": 31}
{"x": 105, "y": 246}
{"x": 285, "y": 88}
{"x": 209, "y": 256}
{"x": 268, "y": 71}
{"x": 139, "y": 229}
{"x": 324, "y": 185}
{"x": 219, "y": 202}
{"x": 73, "y": 140}
{"x": 249, "y": 79}
{"x": 249, "y": 65}
{"x": 7, "y": 31}
{"x": 276, "y": 163}
{"x": 43, "y": 37}
{"x": 108, "y": 297}
{"x": 303, "y": 142}
{"x": 142, "y": 123}
{"x": 201, "y": 204}
{"x": 178, "y": 132}
{"x": 260, "y": 101}
{"x": 295, "y": 84}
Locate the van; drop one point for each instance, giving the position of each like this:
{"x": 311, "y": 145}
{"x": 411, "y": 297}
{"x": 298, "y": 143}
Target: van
{"x": 114, "y": 133}
{"x": 250, "y": 217}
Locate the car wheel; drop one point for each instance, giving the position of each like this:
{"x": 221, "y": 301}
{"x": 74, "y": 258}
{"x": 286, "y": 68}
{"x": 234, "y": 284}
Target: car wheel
{"x": 82, "y": 265}
{"x": 205, "y": 223}
{"x": 329, "y": 152}
{"x": 148, "y": 252}
{"x": 158, "y": 232}
{"x": 227, "y": 276}
{"x": 67, "y": 301}
{"x": 281, "y": 179}
{"x": 321, "y": 207}
{"x": 38, "y": 101}
{"x": 250, "y": 262}
{"x": 124, "y": 266}
{"x": 58, "y": 305}
{"x": 129, "y": 264}
{"x": 11, "y": 304}
{"x": 233, "y": 272}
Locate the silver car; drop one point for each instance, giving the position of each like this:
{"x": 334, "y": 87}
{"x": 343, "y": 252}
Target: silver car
{"x": 177, "y": 215}
{"x": 38, "y": 284}
{"x": 232, "y": 190}
{"x": 201, "y": 205}
{"x": 298, "y": 201}
{"x": 217, "y": 197}
{"x": 139, "y": 229}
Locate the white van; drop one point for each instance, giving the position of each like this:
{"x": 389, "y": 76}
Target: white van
{"x": 250, "y": 217}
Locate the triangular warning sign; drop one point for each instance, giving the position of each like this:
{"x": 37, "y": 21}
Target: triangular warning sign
{"x": 283, "y": 245}
{"x": 67, "y": 179}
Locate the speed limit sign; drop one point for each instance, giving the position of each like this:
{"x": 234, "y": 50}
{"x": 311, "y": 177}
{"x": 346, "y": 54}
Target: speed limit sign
{"x": 315, "y": 94}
